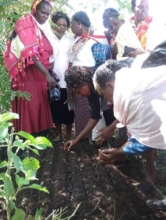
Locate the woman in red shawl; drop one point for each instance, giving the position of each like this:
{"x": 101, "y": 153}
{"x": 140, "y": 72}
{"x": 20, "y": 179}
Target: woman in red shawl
{"x": 30, "y": 51}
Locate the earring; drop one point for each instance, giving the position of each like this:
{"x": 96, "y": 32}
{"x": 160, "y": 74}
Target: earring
{"x": 80, "y": 26}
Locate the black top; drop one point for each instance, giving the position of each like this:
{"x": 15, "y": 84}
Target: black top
{"x": 94, "y": 105}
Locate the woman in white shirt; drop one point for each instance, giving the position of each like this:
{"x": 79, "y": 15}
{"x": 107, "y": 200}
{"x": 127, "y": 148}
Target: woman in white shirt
{"x": 60, "y": 112}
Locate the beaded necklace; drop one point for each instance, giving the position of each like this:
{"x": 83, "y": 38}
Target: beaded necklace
{"x": 79, "y": 44}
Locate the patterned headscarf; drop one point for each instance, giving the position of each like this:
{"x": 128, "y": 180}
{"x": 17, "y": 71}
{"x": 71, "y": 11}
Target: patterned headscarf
{"x": 35, "y": 4}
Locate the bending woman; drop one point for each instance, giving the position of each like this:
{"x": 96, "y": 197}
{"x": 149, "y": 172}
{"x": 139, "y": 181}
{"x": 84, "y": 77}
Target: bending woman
{"x": 79, "y": 80}
{"x": 30, "y": 51}
{"x": 140, "y": 108}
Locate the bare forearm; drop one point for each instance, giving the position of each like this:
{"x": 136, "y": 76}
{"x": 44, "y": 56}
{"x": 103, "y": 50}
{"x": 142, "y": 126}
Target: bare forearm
{"x": 88, "y": 128}
{"x": 113, "y": 125}
{"x": 40, "y": 67}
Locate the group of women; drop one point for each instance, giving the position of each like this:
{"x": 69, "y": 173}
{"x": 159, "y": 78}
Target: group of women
{"x": 39, "y": 58}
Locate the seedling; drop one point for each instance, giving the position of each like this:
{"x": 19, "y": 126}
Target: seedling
{"x": 28, "y": 166}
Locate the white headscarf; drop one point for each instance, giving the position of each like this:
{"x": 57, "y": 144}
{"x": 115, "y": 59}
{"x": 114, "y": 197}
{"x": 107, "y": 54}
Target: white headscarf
{"x": 50, "y": 36}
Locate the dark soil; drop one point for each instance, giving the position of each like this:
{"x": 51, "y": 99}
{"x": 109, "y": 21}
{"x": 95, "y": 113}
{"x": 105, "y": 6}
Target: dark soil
{"x": 105, "y": 192}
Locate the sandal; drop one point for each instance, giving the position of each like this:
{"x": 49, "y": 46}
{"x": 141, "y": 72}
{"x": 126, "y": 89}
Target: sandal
{"x": 145, "y": 187}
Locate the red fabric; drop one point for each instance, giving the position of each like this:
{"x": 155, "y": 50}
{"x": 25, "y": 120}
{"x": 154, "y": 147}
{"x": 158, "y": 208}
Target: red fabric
{"x": 33, "y": 46}
{"x": 142, "y": 30}
{"x": 35, "y": 115}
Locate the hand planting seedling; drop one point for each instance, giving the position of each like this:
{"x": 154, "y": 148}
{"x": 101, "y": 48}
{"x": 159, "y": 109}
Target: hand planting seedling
{"x": 28, "y": 166}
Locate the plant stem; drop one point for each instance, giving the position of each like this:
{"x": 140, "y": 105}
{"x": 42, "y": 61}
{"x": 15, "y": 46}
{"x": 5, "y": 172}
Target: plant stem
{"x": 10, "y": 141}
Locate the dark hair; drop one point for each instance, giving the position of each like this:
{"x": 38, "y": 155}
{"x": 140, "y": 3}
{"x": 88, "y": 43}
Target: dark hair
{"x": 106, "y": 73}
{"x": 133, "y": 3}
{"x": 82, "y": 17}
{"x": 42, "y": 3}
{"x": 111, "y": 12}
{"x": 58, "y": 15}
{"x": 76, "y": 76}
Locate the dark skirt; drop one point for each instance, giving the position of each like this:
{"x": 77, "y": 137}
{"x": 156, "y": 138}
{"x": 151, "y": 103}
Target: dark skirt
{"x": 59, "y": 110}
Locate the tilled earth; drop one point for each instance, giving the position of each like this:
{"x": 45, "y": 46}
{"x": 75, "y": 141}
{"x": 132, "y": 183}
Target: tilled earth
{"x": 105, "y": 192}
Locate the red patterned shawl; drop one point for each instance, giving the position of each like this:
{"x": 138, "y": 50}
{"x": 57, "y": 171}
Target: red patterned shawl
{"x": 25, "y": 42}
{"x": 142, "y": 29}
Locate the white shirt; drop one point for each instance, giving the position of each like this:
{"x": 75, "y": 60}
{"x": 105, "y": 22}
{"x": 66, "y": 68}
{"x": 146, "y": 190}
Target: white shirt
{"x": 62, "y": 61}
{"x": 83, "y": 56}
{"x": 140, "y": 104}
{"x": 156, "y": 34}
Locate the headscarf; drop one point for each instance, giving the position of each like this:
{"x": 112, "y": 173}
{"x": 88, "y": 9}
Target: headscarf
{"x": 46, "y": 29}
{"x": 35, "y": 4}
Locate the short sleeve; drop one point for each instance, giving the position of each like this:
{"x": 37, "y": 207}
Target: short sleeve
{"x": 101, "y": 53}
{"x": 94, "y": 106}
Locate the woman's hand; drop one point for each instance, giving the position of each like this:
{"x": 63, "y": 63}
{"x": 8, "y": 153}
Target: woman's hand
{"x": 69, "y": 144}
{"x": 104, "y": 134}
{"x": 52, "y": 82}
{"x": 135, "y": 53}
{"x": 111, "y": 155}
{"x": 40, "y": 67}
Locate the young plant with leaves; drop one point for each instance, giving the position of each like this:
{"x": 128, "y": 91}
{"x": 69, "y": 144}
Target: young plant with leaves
{"x": 27, "y": 167}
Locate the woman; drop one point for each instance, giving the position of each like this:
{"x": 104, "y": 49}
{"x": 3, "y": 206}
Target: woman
{"x": 60, "y": 111}
{"x": 89, "y": 53}
{"x": 140, "y": 107}
{"x": 79, "y": 81}
{"x": 30, "y": 51}
{"x": 109, "y": 34}
{"x": 149, "y": 32}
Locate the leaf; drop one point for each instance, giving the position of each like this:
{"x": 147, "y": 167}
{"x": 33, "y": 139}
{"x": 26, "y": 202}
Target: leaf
{"x": 19, "y": 144}
{"x": 9, "y": 116}
{"x": 31, "y": 175}
{"x": 12, "y": 205}
{"x": 17, "y": 161}
{"x": 36, "y": 186}
{"x": 27, "y": 136}
{"x": 19, "y": 215}
{"x": 8, "y": 184}
{"x": 34, "y": 150}
{"x": 42, "y": 143}
{"x": 21, "y": 181}
{"x": 4, "y": 131}
{"x": 30, "y": 164}
{"x": 3, "y": 164}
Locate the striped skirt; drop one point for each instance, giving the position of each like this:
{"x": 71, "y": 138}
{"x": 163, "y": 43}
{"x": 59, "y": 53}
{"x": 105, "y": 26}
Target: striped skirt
{"x": 82, "y": 114}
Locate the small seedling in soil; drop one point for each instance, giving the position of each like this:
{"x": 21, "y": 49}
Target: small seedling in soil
{"x": 27, "y": 167}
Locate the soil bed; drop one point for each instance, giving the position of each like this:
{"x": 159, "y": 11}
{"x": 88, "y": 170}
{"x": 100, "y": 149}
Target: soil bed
{"x": 105, "y": 192}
